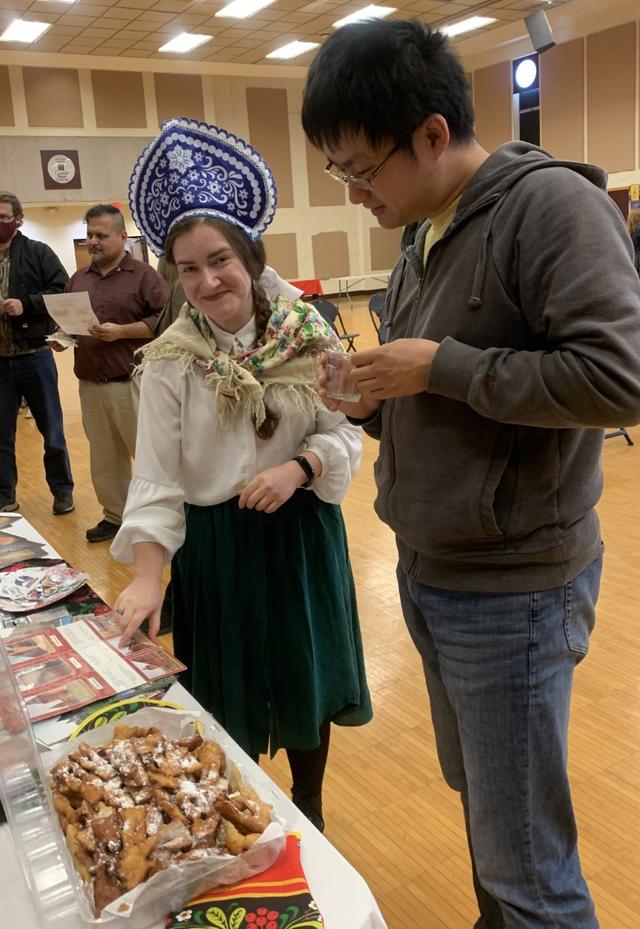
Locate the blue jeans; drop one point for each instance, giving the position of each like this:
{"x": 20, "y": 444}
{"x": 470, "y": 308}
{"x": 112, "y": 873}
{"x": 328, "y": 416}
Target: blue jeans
{"x": 499, "y": 670}
{"x": 35, "y": 377}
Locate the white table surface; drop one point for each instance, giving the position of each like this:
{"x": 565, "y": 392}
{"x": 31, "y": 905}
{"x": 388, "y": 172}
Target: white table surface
{"x": 342, "y": 895}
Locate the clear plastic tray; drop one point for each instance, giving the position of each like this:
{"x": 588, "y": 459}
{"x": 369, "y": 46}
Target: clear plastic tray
{"x": 55, "y": 888}
{"x": 37, "y": 838}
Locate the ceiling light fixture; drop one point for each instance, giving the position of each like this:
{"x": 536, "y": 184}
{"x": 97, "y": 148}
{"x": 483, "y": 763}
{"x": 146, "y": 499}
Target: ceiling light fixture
{"x": 467, "y": 25}
{"x": 368, "y": 12}
{"x": 22, "y": 30}
{"x": 526, "y": 73}
{"x": 185, "y": 42}
{"x": 240, "y": 9}
{"x": 293, "y": 49}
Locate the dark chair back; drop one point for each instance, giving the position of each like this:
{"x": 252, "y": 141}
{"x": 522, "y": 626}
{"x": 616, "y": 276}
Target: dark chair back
{"x": 377, "y": 312}
{"x": 331, "y": 314}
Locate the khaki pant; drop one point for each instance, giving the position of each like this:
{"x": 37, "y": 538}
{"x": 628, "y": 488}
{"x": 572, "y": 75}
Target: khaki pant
{"x": 110, "y": 419}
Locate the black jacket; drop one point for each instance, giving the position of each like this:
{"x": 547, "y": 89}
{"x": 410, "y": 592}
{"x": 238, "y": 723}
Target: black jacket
{"x": 35, "y": 270}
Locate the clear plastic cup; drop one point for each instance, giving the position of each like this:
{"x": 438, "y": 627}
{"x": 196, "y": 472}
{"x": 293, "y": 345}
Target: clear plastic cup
{"x": 340, "y": 375}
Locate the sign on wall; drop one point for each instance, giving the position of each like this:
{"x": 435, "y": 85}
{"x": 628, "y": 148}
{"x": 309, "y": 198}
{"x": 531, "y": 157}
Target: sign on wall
{"x": 60, "y": 169}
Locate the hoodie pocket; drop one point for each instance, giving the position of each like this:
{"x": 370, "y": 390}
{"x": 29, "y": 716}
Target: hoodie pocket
{"x": 495, "y": 485}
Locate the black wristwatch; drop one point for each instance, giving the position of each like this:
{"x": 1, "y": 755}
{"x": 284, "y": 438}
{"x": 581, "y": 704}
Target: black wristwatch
{"x": 308, "y": 470}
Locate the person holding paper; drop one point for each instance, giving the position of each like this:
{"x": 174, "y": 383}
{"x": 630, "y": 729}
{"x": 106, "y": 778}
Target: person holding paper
{"x": 240, "y": 469}
{"x": 127, "y": 297}
{"x": 29, "y": 269}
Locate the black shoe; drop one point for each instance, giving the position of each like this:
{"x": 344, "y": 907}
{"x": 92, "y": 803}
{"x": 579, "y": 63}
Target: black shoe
{"x": 10, "y": 507}
{"x": 102, "y": 532}
{"x": 311, "y": 807}
{"x": 63, "y": 503}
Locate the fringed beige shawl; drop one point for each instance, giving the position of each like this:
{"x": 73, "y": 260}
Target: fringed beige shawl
{"x": 284, "y": 363}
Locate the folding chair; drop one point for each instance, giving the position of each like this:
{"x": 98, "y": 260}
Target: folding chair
{"x": 331, "y": 314}
{"x": 377, "y": 312}
{"x": 620, "y": 431}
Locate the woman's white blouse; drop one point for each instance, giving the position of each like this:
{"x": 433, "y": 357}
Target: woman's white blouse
{"x": 182, "y": 455}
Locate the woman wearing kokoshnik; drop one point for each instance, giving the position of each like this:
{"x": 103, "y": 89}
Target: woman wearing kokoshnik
{"x": 240, "y": 469}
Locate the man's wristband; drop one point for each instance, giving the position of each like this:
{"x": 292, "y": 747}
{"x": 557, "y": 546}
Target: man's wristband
{"x": 306, "y": 467}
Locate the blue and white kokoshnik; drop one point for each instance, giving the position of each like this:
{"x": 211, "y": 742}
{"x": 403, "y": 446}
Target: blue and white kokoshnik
{"x": 196, "y": 169}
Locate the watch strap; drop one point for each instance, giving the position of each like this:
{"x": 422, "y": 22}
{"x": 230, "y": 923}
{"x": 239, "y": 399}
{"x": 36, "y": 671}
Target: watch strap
{"x": 307, "y": 468}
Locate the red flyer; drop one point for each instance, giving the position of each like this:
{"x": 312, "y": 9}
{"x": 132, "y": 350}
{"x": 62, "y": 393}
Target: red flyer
{"x": 64, "y": 668}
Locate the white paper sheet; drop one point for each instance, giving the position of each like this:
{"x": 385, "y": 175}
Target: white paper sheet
{"x": 72, "y": 312}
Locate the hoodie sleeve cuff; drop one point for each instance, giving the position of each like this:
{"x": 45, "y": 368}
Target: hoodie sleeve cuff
{"x": 453, "y": 368}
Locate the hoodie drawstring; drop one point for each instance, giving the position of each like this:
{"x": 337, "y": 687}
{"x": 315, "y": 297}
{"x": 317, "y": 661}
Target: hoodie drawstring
{"x": 475, "y": 300}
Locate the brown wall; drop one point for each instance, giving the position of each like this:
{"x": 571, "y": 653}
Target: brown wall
{"x": 493, "y": 100}
{"x": 6, "y": 105}
{"x": 178, "y": 95}
{"x": 611, "y": 89}
{"x": 282, "y": 254}
{"x": 53, "y": 97}
{"x": 322, "y": 190}
{"x": 562, "y": 100}
{"x": 119, "y": 99}
{"x": 331, "y": 254}
{"x": 269, "y": 133}
{"x": 385, "y": 248}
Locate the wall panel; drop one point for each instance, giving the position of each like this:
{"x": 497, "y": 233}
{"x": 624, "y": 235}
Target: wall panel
{"x": 562, "y": 100}
{"x": 611, "y": 93}
{"x": 119, "y": 99}
{"x": 282, "y": 254}
{"x": 385, "y": 247}
{"x": 493, "y": 98}
{"x": 322, "y": 190}
{"x": 52, "y": 96}
{"x": 268, "y": 114}
{"x": 330, "y": 254}
{"x": 7, "y": 117}
{"x": 178, "y": 95}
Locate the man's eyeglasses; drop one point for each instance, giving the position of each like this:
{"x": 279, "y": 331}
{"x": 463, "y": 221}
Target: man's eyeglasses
{"x": 359, "y": 180}
{"x": 6, "y": 219}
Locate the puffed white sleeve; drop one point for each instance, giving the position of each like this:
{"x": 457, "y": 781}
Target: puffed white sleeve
{"x": 338, "y": 445}
{"x": 154, "y": 511}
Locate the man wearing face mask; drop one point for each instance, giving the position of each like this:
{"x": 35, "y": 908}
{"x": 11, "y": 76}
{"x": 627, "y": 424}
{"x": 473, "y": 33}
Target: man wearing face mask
{"x": 29, "y": 269}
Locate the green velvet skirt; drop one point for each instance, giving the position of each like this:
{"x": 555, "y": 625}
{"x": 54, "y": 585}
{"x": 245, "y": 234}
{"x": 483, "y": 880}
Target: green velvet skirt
{"x": 265, "y": 618}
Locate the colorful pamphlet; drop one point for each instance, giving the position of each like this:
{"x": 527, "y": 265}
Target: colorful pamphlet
{"x": 32, "y": 588}
{"x": 61, "y": 669}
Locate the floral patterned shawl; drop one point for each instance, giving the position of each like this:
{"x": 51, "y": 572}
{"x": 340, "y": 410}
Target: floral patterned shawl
{"x": 285, "y": 361}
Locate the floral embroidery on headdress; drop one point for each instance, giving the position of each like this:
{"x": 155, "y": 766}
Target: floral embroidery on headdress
{"x": 196, "y": 169}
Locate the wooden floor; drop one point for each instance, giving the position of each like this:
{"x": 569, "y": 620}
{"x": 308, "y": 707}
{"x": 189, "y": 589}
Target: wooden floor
{"x": 387, "y": 809}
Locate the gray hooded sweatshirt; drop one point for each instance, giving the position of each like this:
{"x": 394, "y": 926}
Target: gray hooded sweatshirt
{"x": 490, "y": 478}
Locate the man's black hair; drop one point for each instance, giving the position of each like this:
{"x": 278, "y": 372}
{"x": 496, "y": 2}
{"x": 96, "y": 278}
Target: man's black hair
{"x": 106, "y": 209}
{"x": 383, "y": 79}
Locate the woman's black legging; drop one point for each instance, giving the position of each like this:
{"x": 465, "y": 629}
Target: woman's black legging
{"x": 307, "y": 768}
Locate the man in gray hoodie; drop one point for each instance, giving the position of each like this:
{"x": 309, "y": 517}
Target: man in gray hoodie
{"x": 514, "y": 315}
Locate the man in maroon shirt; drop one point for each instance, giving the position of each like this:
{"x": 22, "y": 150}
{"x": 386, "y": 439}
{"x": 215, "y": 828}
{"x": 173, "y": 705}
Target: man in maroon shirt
{"x": 127, "y": 296}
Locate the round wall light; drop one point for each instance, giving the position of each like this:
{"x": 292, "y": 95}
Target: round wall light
{"x": 526, "y": 73}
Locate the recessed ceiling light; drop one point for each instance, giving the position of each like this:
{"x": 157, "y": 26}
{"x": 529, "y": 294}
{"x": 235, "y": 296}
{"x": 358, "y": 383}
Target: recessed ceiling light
{"x": 22, "y": 30}
{"x": 293, "y": 49}
{"x": 240, "y": 9}
{"x": 185, "y": 42}
{"x": 368, "y": 12}
{"x": 466, "y": 25}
